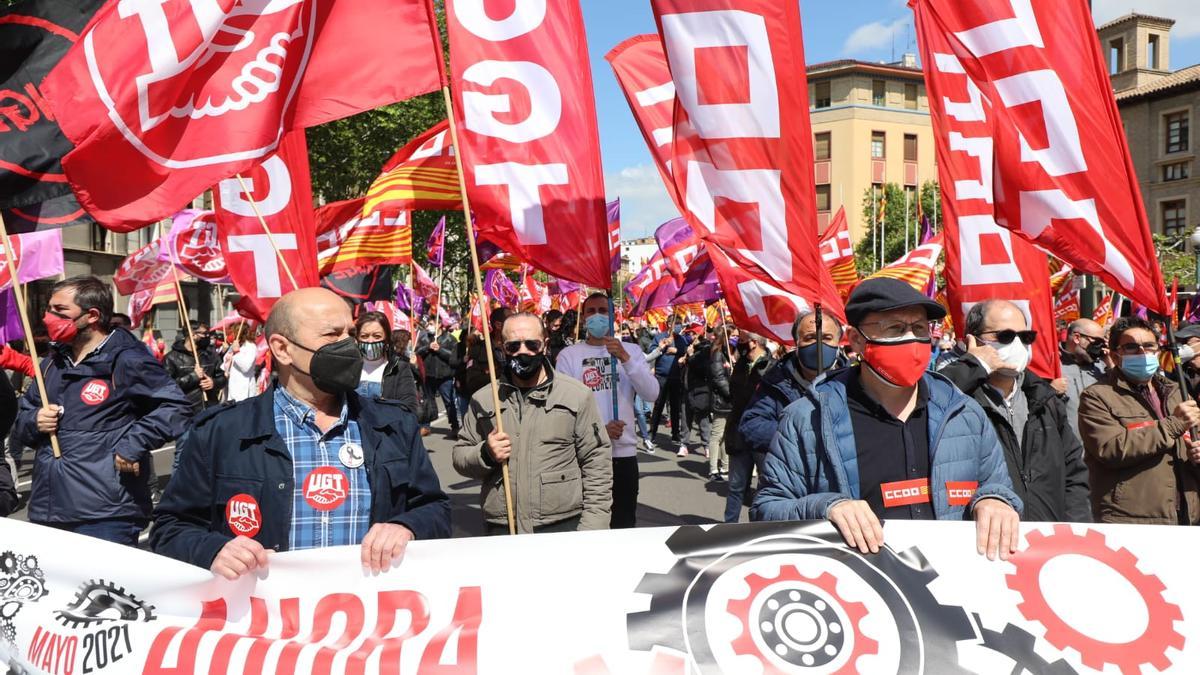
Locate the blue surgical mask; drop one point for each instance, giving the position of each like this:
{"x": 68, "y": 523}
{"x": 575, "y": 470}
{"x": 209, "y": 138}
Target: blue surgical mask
{"x": 1139, "y": 367}
{"x": 733, "y": 342}
{"x": 677, "y": 329}
{"x": 808, "y": 355}
{"x": 597, "y": 325}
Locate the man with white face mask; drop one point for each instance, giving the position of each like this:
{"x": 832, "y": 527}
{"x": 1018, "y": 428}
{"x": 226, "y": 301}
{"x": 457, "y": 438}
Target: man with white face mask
{"x": 1043, "y": 452}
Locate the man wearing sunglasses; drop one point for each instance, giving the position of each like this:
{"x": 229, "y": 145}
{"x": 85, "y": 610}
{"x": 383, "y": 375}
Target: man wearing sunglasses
{"x": 1084, "y": 362}
{"x": 887, "y": 439}
{"x": 558, "y": 452}
{"x": 1140, "y": 437}
{"x": 1043, "y": 454}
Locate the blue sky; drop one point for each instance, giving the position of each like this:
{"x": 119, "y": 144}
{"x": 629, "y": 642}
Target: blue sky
{"x": 833, "y": 29}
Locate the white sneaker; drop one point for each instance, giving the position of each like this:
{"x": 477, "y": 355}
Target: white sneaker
{"x": 683, "y": 451}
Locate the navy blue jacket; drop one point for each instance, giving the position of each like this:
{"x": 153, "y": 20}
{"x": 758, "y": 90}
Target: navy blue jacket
{"x": 118, "y": 401}
{"x": 813, "y": 463}
{"x": 235, "y": 449}
{"x": 780, "y": 386}
{"x": 668, "y": 365}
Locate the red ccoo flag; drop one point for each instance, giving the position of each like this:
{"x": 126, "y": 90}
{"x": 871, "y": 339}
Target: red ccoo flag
{"x": 742, "y": 160}
{"x": 526, "y": 121}
{"x": 163, "y": 99}
{"x": 1041, "y": 134}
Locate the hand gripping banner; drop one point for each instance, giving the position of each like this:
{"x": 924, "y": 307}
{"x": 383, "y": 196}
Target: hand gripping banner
{"x": 527, "y": 125}
{"x": 1028, "y": 113}
{"x": 744, "y": 598}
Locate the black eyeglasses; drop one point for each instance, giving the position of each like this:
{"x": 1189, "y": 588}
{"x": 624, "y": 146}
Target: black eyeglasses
{"x": 1006, "y": 336}
{"x": 513, "y": 346}
{"x": 1133, "y": 348}
{"x": 895, "y": 330}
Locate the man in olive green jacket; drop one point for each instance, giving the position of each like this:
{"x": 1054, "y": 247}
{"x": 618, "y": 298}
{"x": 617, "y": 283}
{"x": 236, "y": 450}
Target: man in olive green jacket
{"x": 558, "y": 452}
{"x": 1142, "y": 467}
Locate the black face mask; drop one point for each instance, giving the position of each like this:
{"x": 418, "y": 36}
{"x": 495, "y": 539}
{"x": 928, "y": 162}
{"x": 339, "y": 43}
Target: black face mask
{"x": 524, "y": 366}
{"x": 203, "y": 342}
{"x": 1095, "y": 350}
{"x": 336, "y": 367}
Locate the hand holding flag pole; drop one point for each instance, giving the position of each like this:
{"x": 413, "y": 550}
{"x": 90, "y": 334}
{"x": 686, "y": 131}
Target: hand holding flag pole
{"x": 19, "y": 294}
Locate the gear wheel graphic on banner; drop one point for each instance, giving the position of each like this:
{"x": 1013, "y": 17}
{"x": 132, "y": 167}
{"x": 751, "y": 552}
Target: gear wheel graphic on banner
{"x": 676, "y": 620}
{"x": 98, "y": 601}
{"x": 1150, "y": 648}
{"x": 797, "y": 625}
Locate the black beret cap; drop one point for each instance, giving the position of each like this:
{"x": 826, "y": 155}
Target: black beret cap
{"x": 882, "y": 294}
{"x": 1187, "y": 332}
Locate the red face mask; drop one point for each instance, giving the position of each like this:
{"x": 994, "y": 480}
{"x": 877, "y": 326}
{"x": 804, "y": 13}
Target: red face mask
{"x": 900, "y": 363}
{"x": 60, "y": 329}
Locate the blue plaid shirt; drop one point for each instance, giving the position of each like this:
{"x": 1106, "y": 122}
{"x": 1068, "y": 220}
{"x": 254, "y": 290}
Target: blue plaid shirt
{"x": 310, "y": 448}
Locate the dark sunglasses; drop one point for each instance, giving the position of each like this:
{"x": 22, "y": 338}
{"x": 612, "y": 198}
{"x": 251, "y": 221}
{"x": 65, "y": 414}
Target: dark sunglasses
{"x": 514, "y": 346}
{"x": 1006, "y": 336}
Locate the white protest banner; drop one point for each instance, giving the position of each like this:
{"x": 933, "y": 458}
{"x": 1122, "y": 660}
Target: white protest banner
{"x": 749, "y": 598}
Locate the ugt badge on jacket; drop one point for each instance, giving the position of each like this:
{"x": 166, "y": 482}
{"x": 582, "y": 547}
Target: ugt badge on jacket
{"x": 325, "y": 488}
{"x": 242, "y": 515}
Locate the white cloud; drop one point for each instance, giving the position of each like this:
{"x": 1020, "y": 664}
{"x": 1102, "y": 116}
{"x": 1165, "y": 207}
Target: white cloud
{"x": 645, "y": 203}
{"x": 1187, "y": 18}
{"x": 877, "y": 35}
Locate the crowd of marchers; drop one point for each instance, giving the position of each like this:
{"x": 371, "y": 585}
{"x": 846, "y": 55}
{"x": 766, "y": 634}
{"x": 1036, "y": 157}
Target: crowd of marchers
{"x": 308, "y": 431}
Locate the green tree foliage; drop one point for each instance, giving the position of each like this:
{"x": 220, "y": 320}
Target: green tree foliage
{"x": 1175, "y": 260}
{"x": 897, "y": 239}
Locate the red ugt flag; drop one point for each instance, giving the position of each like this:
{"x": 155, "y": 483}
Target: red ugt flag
{"x": 282, "y": 189}
{"x": 163, "y": 98}
{"x": 527, "y": 125}
{"x": 1028, "y": 82}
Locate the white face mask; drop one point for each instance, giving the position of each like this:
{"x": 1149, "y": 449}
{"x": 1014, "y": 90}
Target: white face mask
{"x": 1014, "y": 353}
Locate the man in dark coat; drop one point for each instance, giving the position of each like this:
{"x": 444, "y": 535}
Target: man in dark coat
{"x": 201, "y": 383}
{"x": 440, "y": 356}
{"x": 111, "y": 404}
{"x": 1043, "y": 454}
{"x": 307, "y": 464}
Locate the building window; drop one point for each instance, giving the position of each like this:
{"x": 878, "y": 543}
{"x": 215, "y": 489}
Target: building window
{"x": 823, "y": 198}
{"x": 1174, "y": 216}
{"x": 910, "y": 147}
{"x": 910, "y": 96}
{"x": 1176, "y": 171}
{"x": 1116, "y": 56}
{"x": 821, "y": 146}
{"x": 1177, "y": 132}
{"x": 99, "y": 238}
{"x": 1152, "y": 52}
{"x": 878, "y": 93}
{"x": 824, "y": 98}
{"x": 878, "y": 140}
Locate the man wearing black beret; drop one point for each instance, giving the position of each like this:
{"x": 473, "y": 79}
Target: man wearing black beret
{"x": 888, "y": 439}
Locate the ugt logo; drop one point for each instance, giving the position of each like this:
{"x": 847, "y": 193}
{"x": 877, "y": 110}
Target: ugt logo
{"x": 239, "y": 70}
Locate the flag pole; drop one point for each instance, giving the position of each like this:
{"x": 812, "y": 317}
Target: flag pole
{"x": 19, "y": 294}
{"x": 725, "y": 326}
{"x": 484, "y": 301}
{"x": 184, "y": 314}
{"x": 270, "y": 237}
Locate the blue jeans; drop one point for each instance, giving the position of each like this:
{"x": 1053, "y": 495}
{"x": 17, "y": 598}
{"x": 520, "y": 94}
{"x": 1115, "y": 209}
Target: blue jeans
{"x": 117, "y": 531}
{"x": 741, "y": 465}
{"x": 642, "y": 410}
{"x": 445, "y": 389}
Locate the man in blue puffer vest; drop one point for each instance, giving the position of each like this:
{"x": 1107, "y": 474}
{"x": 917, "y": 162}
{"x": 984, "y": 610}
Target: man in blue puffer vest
{"x": 888, "y": 439}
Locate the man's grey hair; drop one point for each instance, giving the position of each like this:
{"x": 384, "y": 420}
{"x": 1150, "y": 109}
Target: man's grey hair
{"x": 826, "y": 318}
{"x": 524, "y": 315}
{"x": 973, "y": 322}
{"x": 280, "y": 320}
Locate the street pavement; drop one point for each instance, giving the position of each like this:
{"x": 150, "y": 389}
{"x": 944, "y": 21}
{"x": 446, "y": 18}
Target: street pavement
{"x": 672, "y": 491}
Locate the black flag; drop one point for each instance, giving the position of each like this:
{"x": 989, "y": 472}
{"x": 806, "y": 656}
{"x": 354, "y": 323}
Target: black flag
{"x": 34, "y": 35}
{"x": 362, "y": 284}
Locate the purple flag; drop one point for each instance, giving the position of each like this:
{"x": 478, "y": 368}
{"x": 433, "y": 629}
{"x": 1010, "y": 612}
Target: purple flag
{"x": 679, "y": 245}
{"x": 38, "y": 255}
{"x": 500, "y": 288}
{"x": 10, "y": 319}
{"x": 926, "y": 229}
{"x": 436, "y": 246}
{"x": 403, "y": 293}
{"x": 614, "y": 234}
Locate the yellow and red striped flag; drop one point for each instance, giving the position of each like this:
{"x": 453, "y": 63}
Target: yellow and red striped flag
{"x": 917, "y": 267}
{"x": 346, "y": 239}
{"x": 838, "y": 254}
{"x": 421, "y": 176}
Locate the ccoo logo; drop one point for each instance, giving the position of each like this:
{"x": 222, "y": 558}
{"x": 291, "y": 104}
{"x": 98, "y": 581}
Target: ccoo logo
{"x": 212, "y": 67}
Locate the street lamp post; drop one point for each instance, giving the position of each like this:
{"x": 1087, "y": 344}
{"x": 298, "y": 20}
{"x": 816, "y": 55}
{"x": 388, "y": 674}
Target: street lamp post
{"x": 1195, "y": 239}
